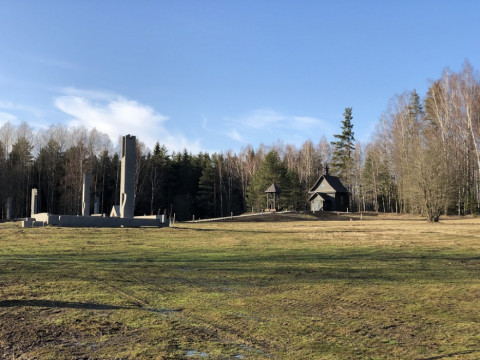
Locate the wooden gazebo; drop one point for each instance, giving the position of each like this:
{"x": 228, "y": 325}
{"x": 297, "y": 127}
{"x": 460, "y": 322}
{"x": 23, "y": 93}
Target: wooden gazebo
{"x": 273, "y": 196}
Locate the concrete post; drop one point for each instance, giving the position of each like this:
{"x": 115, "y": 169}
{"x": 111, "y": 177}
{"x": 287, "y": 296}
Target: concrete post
{"x": 34, "y": 203}
{"x": 86, "y": 195}
{"x": 9, "y": 208}
{"x": 96, "y": 205}
{"x": 127, "y": 178}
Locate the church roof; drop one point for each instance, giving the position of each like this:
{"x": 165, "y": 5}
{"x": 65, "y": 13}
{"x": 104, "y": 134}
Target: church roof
{"x": 333, "y": 181}
{"x": 273, "y": 189}
{"x": 324, "y": 197}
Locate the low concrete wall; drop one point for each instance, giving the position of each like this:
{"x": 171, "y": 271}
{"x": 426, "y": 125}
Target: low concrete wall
{"x": 43, "y": 219}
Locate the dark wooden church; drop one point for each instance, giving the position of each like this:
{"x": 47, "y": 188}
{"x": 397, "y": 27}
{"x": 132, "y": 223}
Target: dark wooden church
{"x": 328, "y": 194}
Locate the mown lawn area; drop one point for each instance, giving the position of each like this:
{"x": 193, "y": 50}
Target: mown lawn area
{"x": 287, "y": 287}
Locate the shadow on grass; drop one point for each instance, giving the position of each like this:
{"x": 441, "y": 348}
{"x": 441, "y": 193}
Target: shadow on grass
{"x": 75, "y": 305}
{"x": 61, "y": 305}
{"x": 275, "y": 256}
{"x": 263, "y": 231}
{"x": 451, "y": 355}
{"x": 205, "y": 267}
{"x": 336, "y": 264}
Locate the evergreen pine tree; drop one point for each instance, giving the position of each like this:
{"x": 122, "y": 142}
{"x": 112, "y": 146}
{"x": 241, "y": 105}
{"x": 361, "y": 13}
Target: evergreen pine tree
{"x": 342, "y": 163}
{"x": 415, "y": 109}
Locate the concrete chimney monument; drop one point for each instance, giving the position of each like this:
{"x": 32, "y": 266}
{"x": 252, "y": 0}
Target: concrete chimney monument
{"x": 86, "y": 195}
{"x": 9, "y": 209}
{"x": 127, "y": 177}
{"x": 96, "y": 205}
{"x": 34, "y": 203}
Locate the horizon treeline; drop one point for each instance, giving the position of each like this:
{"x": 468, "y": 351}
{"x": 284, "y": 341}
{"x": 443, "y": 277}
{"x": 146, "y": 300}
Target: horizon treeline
{"x": 424, "y": 158}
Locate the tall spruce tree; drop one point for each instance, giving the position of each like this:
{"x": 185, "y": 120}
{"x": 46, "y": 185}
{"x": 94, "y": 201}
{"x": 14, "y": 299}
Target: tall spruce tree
{"x": 342, "y": 162}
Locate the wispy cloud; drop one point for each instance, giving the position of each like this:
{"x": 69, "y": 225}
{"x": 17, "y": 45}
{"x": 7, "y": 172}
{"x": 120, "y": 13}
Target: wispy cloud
{"x": 8, "y": 105}
{"x": 261, "y": 119}
{"x": 234, "y": 135}
{"x": 52, "y": 62}
{"x": 306, "y": 122}
{"x": 116, "y": 115}
{"x": 270, "y": 123}
{"x": 205, "y": 125}
{"x": 6, "y": 117}
{"x": 18, "y": 113}
{"x": 270, "y": 119}
{"x": 90, "y": 93}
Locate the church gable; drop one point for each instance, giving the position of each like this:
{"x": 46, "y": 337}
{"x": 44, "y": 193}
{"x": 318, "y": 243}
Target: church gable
{"x": 328, "y": 184}
{"x": 321, "y": 197}
{"x": 315, "y": 187}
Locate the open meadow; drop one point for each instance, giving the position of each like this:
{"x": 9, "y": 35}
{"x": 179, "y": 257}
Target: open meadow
{"x": 286, "y": 287}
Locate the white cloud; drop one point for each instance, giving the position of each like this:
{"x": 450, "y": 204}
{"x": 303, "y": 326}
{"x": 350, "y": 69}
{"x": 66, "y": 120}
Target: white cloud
{"x": 306, "y": 122}
{"x": 262, "y": 118}
{"x": 116, "y": 115}
{"x": 260, "y": 124}
{"x": 205, "y": 125}
{"x": 234, "y": 134}
{"x": 270, "y": 119}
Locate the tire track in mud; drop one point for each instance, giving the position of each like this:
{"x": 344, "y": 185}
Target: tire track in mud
{"x": 187, "y": 323}
{"x": 133, "y": 298}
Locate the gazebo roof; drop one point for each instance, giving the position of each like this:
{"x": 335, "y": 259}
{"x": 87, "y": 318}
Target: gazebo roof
{"x": 273, "y": 189}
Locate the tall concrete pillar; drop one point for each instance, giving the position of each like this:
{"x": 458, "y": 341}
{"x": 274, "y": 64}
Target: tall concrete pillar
{"x": 96, "y": 205}
{"x": 9, "y": 208}
{"x": 34, "y": 203}
{"x": 127, "y": 178}
{"x": 86, "y": 195}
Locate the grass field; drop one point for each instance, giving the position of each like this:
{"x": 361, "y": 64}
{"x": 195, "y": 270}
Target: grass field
{"x": 294, "y": 287}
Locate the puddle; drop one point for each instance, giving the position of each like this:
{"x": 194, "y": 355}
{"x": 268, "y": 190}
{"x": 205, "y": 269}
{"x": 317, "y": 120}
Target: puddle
{"x": 192, "y": 353}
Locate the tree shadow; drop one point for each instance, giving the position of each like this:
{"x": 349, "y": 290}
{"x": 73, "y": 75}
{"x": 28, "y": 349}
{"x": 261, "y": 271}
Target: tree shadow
{"x": 451, "y": 355}
{"x": 76, "y": 305}
{"x": 60, "y": 305}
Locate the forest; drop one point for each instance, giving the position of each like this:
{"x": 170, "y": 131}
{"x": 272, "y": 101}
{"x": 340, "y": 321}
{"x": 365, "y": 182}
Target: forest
{"x": 424, "y": 158}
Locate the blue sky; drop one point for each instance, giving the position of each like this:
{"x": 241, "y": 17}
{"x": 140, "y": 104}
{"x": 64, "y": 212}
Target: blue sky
{"x": 218, "y": 75}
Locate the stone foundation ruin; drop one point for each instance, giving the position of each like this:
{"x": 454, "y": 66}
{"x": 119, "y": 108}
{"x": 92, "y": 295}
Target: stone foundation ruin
{"x": 121, "y": 215}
